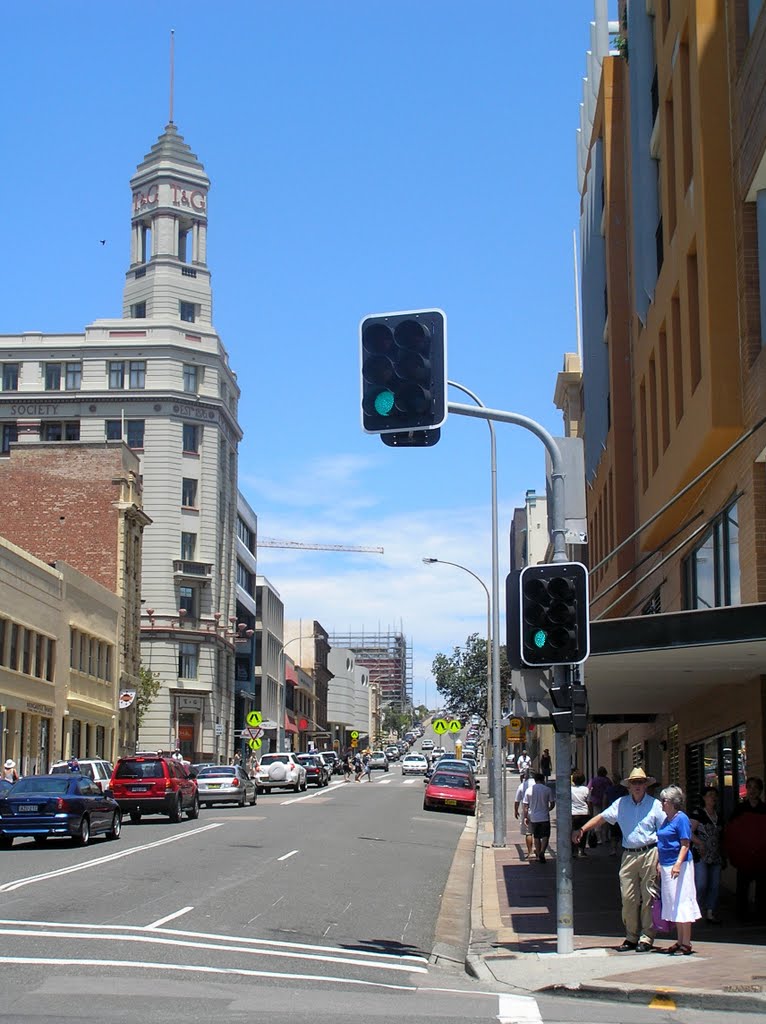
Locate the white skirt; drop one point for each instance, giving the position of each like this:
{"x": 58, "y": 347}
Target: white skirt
{"x": 679, "y": 895}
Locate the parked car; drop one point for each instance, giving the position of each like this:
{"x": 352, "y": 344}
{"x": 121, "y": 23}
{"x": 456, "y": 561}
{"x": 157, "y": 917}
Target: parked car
{"x": 317, "y": 771}
{"x": 333, "y": 761}
{"x": 150, "y": 784}
{"x": 70, "y": 806}
{"x": 414, "y": 764}
{"x": 378, "y": 761}
{"x": 449, "y": 790}
{"x": 225, "y": 784}
{"x": 98, "y": 770}
{"x": 280, "y": 771}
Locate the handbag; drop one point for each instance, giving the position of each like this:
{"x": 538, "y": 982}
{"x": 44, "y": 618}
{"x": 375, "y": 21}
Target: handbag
{"x": 660, "y": 925}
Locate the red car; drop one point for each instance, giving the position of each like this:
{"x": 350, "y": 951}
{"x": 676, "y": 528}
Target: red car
{"x": 450, "y": 791}
{"x": 151, "y": 784}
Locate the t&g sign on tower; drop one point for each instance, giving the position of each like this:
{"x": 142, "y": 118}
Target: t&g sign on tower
{"x": 404, "y": 371}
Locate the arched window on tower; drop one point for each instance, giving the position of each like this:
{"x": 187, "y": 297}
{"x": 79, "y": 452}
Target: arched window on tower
{"x": 184, "y": 243}
{"x": 146, "y": 243}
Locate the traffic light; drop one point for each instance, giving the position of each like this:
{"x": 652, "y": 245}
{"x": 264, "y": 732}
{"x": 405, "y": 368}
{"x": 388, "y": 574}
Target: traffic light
{"x": 570, "y": 708}
{"x": 404, "y": 373}
{"x": 553, "y": 614}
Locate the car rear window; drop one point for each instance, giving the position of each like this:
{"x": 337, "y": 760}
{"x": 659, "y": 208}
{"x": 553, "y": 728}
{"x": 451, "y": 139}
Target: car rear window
{"x": 41, "y": 784}
{"x": 275, "y": 759}
{"x": 223, "y": 769}
{"x": 454, "y": 781}
{"x": 139, "y": 770}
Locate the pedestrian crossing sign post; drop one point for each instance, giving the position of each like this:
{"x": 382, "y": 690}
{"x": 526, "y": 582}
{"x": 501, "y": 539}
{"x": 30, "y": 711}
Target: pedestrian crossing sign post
{"x": 514, "y": 731}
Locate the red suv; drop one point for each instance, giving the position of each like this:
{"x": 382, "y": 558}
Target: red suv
{"x": 150, "y": 784}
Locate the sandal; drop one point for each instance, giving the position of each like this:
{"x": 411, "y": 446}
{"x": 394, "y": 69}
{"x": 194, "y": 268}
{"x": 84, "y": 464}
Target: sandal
{"x": 673, "y": 949}
{"x": 685, "y": 950}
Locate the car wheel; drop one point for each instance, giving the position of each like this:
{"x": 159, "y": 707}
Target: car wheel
{"x": 135, "y": 817}
{"x": 175, "y": 810}
{"x": 258, "y": 790}
{"x": 6, "y": 842}
{"x": 116, "y": 830}
{"x": 40, "y": 840}
{"x": 193, "y": 811}
{"x": 254, "y": 801}
{"x": 297, "y": 786}
{"x": 83, "y": 836}
{"x": 242, "y": 799}
{"x": 305, "y": 785}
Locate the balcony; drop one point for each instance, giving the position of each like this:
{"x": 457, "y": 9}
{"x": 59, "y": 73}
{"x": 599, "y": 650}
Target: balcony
{"x": 196, "y": 572}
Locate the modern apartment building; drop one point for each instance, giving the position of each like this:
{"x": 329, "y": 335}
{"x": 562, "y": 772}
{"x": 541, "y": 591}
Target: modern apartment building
{"x": 672, "y": 163}
{"x": 269, "y": 658}
{"x": 158, "y": 378}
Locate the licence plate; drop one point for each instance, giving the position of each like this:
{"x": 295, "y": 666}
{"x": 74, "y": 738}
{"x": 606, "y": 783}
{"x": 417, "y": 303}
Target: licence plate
{"x": 451, "y": 803}
{"x": 215, "y": 785}
{"x": 28, "y": 807}
{"x": 139, "y": 789}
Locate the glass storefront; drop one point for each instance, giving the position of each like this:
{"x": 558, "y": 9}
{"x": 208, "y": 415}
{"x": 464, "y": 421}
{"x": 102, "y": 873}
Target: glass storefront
{"x": 721, "y": 761}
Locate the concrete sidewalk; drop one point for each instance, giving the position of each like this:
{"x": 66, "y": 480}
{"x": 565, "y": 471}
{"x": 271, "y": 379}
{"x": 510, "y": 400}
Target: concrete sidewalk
{"x": 513, "y": 934}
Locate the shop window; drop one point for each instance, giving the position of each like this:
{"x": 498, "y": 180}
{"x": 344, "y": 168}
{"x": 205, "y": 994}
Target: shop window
{"x": 720, "y": 761}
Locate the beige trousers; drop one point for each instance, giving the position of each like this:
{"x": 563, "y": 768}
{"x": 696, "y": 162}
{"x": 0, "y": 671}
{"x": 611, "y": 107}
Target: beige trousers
{"x": 638, "y": 880}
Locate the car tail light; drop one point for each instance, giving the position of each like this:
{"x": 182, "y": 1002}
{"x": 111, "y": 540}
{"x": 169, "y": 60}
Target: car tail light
{"x": 235, "y": 782}
{"x": 62, "y": 804}
{"x": 168, "y": 784}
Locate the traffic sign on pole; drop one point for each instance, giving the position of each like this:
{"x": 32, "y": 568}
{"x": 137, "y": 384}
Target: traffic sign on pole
{"x": 254, "y": 718}
{"x": 254, "y": 744}
{"x": 454, "y": 725}
{"x": 440, "y": 726}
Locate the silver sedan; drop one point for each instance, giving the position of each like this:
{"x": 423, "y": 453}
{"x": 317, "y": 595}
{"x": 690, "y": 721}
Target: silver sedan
{"x": 225, "y": 784}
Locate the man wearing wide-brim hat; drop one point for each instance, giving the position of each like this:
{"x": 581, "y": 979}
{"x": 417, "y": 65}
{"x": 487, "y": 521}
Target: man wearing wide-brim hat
{"x": 639, "y": 816}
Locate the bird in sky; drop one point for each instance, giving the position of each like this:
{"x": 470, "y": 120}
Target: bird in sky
{"x": 103, "y": 241}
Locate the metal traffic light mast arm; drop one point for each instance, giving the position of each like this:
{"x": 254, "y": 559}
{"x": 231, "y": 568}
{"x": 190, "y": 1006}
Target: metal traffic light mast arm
{"x": 556, "y": 517}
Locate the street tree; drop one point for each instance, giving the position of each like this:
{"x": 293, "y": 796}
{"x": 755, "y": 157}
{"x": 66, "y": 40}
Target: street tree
{"x": 148, "y": 688}
{"x": 461, "y": 679}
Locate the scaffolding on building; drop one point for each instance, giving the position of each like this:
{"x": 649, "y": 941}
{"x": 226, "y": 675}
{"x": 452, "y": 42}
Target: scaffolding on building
{"x": 388, "y": 658}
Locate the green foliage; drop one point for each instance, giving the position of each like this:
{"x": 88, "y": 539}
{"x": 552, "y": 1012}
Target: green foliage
{"x": 461, "y": 679}
{"x": 396, "y": 721}
{"x": 148, "y": 688}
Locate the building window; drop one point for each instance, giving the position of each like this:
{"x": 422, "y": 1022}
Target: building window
{"x": 10, "y": 376}
{"x": 116, "y": 376}
{"x": 113, "y": 430}
{"x": 191, "y": 383}
{"x": 189, "y": 492}
{"x": 53, "y": 376}
{"x": 137, "y": 372}
{"x": 184, "y": 243}
{"x": 187, "y": 311}
{"x": 711, "y": 572}
{"x": 187, "y": 660}
{"x": 55, "y": 431}
{"x": 73, "y": 376}
{"x": 134, "y": 431}
{"x": 138, "y": 310}
{"x": 191, "y": 435}
{"x": 188, "y": 546}
{"x": 245, "y": 579}
{"x": 10, "y": 434}
{"x": 246, "y": 535}
{"x": 187, "y": 601}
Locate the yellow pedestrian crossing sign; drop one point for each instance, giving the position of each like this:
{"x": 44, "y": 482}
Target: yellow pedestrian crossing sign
{"x": 354, "y": 735}
{"x": 254, "y": 718}
{"x": 254, "y": 744}
{"x": 440, "y": 725}
{"x": 455, "y": 725}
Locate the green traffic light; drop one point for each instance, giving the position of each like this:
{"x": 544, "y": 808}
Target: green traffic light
{"x": 539, "y": 638}
{"x": 384, "y": 403}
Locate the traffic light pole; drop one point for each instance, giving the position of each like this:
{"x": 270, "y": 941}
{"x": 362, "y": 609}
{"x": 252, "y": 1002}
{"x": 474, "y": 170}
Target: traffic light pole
{"x": 556, "y": 518}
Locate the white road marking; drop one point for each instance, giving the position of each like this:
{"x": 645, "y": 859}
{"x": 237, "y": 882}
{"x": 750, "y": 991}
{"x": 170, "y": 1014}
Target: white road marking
{"x": 168, "y": 940}
{"x": 19, "y": 883}
{"x": 518, "y": 1010}
{"x": 384, "y": 782}
{"x": 300, "y": 799}
{"x": 408, "y": 782}
{"x": 285, "y": 856}
{"x": 199, "y": 969}
{"x": 123, "y": 929}
{"x": 170, "y": 917}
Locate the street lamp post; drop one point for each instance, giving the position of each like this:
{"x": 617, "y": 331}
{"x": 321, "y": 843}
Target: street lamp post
{"x": 480, "y": 581}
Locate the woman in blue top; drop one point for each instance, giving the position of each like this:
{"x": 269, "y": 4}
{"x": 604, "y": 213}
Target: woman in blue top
{"x": 676, "y": 869}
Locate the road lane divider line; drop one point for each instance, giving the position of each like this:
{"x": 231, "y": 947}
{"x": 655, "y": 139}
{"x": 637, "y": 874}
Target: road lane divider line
{"x": 182, "y": 933}
{"x": 201, "y": 969}
{"x": 286, "y": 856}
{"x": 162, "y": 938}
{"x": 19, "y": 883}
{"x": 170, "y": 917}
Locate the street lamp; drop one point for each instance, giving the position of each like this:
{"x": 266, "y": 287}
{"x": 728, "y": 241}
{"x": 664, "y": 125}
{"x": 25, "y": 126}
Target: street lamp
{"x": 480, "y": 581}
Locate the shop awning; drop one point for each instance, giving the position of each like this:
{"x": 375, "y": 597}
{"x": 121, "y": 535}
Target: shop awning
{"x": 290, "y": 726}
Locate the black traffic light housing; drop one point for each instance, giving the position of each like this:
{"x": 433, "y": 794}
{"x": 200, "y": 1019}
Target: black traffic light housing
{"x": 553, "y": 614}
{"x": 404, "y": 374}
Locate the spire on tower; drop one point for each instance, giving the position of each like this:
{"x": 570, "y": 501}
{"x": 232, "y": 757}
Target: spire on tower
{"x": 172, "y": 70}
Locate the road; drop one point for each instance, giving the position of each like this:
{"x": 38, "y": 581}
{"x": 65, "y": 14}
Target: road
{"x": 316, "y": 907}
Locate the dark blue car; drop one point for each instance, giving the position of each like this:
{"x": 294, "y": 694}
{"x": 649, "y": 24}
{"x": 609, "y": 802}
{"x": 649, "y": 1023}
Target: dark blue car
{"x": 67, "y": 806}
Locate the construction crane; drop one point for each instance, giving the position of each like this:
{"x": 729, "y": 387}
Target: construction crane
{"x": 270, "y": 542}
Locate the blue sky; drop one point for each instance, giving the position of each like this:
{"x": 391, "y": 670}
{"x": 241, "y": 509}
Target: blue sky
{"x": 365, "y": 155}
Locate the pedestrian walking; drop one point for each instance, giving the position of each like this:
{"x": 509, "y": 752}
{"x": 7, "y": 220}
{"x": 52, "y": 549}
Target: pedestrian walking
{"x": 639, "y": 817}
{"x": 524, "y": 763}
{"x": 9, "y": 771}
{"x": 538, "y": 804}
{"x": 367, "y": 762}
{"x": 546, "y": 765}
{"x": 580, "y": 811}
{"x": 358, "y": 767}
{"x": 524, "y": 828}
{"x": 707, "y": 834}
{"x": 597, "y": 792}
{"x": 346, "y": 768}
{"x": 676, "y": 870}
{"x": 745, "y": 839}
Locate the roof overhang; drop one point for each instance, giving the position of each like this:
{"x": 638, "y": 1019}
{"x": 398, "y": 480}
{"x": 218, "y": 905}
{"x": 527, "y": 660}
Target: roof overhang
{"x": 647, "y": 665}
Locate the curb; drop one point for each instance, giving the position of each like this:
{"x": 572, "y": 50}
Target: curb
{"x": 694, "y": 999}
